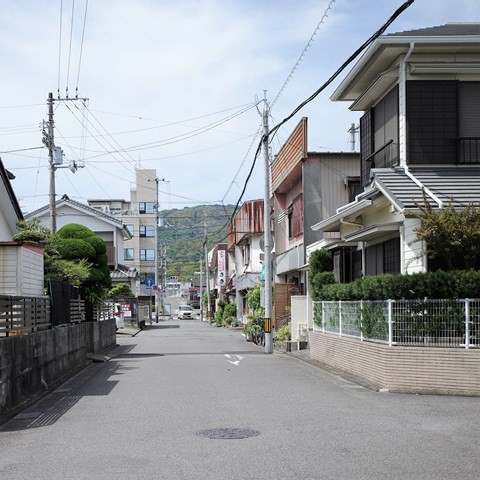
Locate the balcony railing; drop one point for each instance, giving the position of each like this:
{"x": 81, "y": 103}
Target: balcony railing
{"x": 468, "y": 150}
{"x": 384, "y": 157}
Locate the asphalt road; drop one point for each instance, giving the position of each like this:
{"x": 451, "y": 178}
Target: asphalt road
{"x": 142, "y": 414}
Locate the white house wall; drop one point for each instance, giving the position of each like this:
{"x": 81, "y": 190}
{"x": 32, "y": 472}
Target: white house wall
{"x": 21, "y": 271}
{"x": 30, "y": 272}
{"x": 5, "y": 232}
{"x": 413, "y": 251}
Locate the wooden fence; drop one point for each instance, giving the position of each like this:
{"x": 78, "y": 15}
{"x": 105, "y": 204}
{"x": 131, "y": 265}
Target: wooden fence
{"x": 23, "y": 315}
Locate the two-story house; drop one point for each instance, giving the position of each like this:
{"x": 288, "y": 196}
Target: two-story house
{"x": 419, "y": 92}
{"x": 306, "y": 187}
{"x": 244, "y": 250}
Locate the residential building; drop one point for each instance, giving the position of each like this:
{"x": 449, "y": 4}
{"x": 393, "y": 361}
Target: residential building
{"x": 107, "y": 227}
{"x": 138, "y": 215}
{"x": 21, "y": 263}
{"x": 419, "y": 92}
{"x": 218, "y": 272}
{"x": 245, "y": 252}
{"x": 306, "y": 187}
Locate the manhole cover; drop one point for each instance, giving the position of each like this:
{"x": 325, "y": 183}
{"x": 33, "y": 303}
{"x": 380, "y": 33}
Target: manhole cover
{"x": 228, "y": 433}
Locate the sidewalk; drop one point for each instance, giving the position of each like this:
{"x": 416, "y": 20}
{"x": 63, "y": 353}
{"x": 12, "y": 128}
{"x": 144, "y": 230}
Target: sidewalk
{"x": 128, "y": 330}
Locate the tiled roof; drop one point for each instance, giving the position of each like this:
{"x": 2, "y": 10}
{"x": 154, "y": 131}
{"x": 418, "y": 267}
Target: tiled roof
{"x": 461, "y": 186}
{"x": 74, "y": 203}
{"x": 453, "y": 29}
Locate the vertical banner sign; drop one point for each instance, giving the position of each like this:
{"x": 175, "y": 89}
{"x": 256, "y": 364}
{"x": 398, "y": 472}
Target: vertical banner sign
{"x": 221, "y": 267}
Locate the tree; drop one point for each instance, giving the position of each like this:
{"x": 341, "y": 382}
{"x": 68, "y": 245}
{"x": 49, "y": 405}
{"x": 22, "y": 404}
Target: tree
{"x": 320, "y": 271}
{"x": 76, "y": 243}
{"x": 451, "y": 236}
{"x": 120, "y": 290}
{"x": 55, "y": 267}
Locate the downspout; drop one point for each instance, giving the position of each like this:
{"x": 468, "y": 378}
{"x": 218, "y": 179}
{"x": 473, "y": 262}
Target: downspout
{"x": 403, "y": 128}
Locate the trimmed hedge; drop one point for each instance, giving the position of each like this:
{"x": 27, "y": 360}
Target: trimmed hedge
{"x": 440, "y": 284}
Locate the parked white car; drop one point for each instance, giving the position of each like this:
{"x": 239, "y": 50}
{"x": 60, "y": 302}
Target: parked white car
{"x": 185, "y": 311}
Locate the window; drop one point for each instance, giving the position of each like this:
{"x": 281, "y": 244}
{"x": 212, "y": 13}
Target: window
{"x": 246, "y": 254}
{"x": 130, "y": 229}
{"x": 295, "y": 217}
{"x": 128, "y": 254}
{"x": 147, "y": 231}
{"x": 147, "y": 255}
{"x": 146, "y": 207}
{"x": 383, "y": 258}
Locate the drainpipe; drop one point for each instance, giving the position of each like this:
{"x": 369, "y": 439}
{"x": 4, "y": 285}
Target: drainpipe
{"x": 403, "y": 128}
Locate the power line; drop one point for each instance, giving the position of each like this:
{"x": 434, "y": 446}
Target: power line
{"x": 81, "y": 44}
{"x": 352, "y": 57}
{"x": 304, "y": 52}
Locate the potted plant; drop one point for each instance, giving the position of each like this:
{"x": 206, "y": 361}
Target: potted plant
{"x": 248, "y": 332}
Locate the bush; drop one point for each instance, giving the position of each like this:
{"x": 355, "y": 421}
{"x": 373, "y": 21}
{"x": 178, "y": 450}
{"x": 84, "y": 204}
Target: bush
{"x": 283, "y": 333}
{"x": 435, "y": 285}
{"x": 75, "y": 249}
{"x": 230, "y": 310}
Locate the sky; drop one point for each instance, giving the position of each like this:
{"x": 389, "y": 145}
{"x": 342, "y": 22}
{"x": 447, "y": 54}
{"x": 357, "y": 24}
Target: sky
{"x": 178, "y": 86}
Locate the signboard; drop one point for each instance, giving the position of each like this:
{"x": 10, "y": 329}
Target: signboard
{"x": 126, "y": 309}
{"x": 221, "y": 268}
{"x": 149, "y": 283}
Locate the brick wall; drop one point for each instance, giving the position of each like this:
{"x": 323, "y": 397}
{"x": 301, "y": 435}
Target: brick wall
{"x": 401, "y": 369}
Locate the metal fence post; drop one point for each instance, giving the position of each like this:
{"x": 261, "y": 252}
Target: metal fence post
{"x": 340, "y": 318}
{"x": 390, "y": 325}
{"x": 467, "y": 323}
{"x": 323, "y": 317}
{"x": 361, "y": 320}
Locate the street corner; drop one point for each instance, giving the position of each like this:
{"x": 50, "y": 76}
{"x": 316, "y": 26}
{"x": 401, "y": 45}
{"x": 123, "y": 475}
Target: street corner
{"x": 128, "y": 331}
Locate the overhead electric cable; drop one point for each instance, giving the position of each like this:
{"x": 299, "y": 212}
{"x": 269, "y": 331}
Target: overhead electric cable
{"x": 349, "y": 60}
{"x": 81, "y": 45}
{"x": 60, "y": 47}
{"x": 352, "y": 57}
{"x": 304, "y": 51}
{"x": 70, "y": 47}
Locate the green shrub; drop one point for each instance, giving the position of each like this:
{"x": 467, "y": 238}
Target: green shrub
{"x": 440, "y": 284}
{"x": 75, "y": 249}
{"x": 230, "y": 310}
{"x": 283, "y": 333}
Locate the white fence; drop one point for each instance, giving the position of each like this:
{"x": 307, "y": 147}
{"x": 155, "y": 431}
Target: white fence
{"x": 428, "y": 323}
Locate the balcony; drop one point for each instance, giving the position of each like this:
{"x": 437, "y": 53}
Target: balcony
{"x": 385, "y": 157}
{"x": 468, "y": 150}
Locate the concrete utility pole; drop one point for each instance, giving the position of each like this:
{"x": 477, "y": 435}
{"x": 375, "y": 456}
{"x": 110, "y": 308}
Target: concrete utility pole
{"x": 207, "y": 276}
{"x": 156, "y": 250}
{"x": 51, "y": 145}
{"x": 53, "y": 153}
{"x": 201, "y": 288}
{"x": 266, "y": 233}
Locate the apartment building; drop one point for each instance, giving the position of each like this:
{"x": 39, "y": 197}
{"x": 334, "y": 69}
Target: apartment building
{"x": 139, "y": 216}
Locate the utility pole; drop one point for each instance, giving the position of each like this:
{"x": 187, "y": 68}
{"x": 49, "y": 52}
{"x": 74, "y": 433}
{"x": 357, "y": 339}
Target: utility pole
{"x": 51, "y": 145}
{"x": 55, "y": 156}
{"x": 207, "y": 276}
{"x": 266, "y": 233}
{"x": 156, "y": 249}
{"x": 201, "y": 288}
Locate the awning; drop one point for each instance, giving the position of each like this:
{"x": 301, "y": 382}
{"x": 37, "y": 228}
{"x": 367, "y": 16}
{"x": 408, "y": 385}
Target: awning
{"x": 373, "y": 232}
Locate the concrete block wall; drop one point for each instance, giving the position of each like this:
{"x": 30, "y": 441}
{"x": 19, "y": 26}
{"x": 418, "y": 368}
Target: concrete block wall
{"x": 432, "y": 370}
{"x": 33, "y": 364}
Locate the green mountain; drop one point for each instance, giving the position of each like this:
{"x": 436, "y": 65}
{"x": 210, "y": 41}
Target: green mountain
{"x": 183, "y": 233}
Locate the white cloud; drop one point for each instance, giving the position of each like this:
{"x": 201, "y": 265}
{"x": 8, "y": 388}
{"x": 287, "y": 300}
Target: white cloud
{"x": 169, "y": 62}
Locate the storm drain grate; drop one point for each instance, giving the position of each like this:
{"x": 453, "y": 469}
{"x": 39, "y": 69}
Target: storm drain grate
{"x": 228, "y": 433}
{"x": 27, "y": 415}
